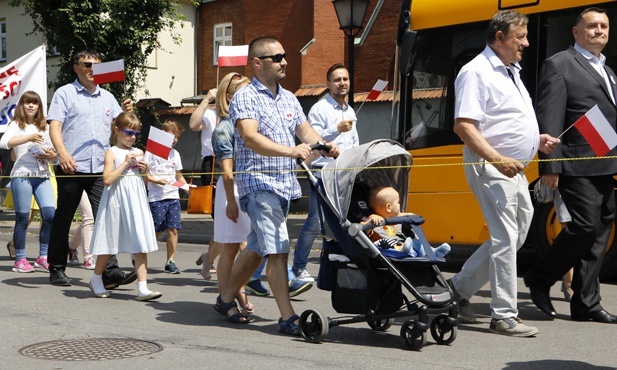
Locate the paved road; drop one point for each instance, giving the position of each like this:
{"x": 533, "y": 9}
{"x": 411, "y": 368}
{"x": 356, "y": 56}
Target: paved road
{"x": 193, "y": 335}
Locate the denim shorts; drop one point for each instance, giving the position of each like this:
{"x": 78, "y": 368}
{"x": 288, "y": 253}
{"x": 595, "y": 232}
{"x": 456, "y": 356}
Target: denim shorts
{"x": 268, "y": 214}
{"x": 166, "y": 214}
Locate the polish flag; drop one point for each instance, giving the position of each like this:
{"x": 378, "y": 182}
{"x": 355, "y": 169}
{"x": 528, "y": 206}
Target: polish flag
{"x": 597, "y": 131}
{"x": 377, "y": 89}
{"x": 108, "y": 72}
{"x": 230, "y": 56}
{"x": 159, "y": 142}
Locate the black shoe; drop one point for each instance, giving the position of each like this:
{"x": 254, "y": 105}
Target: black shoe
{"x": 598, "y": 316}
{"x": 59, "y": 278}
{"x": 129, "y": 278}
{"x": 119, "y": 278}
{"x": 542, "y": 300}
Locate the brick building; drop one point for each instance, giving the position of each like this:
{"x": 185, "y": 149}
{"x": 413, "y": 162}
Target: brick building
{"x": 309, "y": 32}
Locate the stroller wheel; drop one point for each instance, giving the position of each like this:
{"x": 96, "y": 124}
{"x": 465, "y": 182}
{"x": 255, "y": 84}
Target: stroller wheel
{"x": 313, "y": 325}
{"x": 414, "y": 337}
{"x": 443, "y": 329}
{"x": 381, "y": 325}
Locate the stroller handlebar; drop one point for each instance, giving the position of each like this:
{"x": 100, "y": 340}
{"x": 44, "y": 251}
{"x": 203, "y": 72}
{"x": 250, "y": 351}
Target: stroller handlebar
{"x": 320, "y": 145}
{"x": 406, "y": 219}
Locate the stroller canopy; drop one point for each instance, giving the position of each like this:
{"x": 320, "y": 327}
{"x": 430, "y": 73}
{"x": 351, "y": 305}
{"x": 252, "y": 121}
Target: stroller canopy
{"x": 380, "y": 162}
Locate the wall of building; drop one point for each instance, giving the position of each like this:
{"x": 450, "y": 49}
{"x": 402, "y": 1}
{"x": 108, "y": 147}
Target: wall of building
{"x": 294, "y": 23}
{"x": 172, "y": 68}
{"x": 375, "y": 58}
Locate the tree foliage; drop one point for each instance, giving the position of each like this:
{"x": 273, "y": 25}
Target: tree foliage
{"x": 117, "y": 29}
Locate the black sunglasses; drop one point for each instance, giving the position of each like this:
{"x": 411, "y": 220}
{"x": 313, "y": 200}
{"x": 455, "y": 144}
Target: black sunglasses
{"x": 277, "y": 58}
{"x": 236, "y": 76}
{"x": 86, "y": 64}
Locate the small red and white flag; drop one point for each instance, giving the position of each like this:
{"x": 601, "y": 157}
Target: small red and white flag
{"x": 597, "y": 131}
{"x": 108, "y": 72}
{"x": 159, "y": 142}
{"x": 179, "y": 184}
{"x": 230, "y": 56}
{"x": 377, "y": 89}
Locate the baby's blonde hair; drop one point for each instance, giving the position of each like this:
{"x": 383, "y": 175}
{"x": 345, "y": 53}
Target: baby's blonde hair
{"x": 381, "y": 195}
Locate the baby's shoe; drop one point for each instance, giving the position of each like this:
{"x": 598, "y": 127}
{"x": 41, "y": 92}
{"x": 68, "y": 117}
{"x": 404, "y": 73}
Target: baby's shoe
{"x": 442, "y": 250}
{"x": 418, "y": 248}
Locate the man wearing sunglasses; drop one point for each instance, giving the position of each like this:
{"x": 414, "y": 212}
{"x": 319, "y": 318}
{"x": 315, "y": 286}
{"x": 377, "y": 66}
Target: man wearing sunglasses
{"x": 267, "y": 119}
{"x": 80, "y": 116}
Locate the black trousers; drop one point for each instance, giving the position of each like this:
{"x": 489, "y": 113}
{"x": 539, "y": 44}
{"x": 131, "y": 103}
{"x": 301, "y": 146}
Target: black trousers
{"x": 591, "y": 203}
{"x": 207, "y": 176}
{"x": 70, "y": 189}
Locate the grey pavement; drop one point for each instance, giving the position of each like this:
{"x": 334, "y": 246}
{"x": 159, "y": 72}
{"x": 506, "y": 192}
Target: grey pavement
{"x": 192, "y": 335}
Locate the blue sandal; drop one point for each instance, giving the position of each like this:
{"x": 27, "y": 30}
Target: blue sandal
{"x": 223, "y": 308}
{"x": 289, "y": 326}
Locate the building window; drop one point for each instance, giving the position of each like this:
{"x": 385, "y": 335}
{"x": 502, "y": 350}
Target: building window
{"x": 222, "y": 36}
{"x": 2, "y": 40}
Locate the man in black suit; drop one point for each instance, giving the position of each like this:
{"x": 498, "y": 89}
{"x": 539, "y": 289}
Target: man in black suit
{"x": 572, "y": 82}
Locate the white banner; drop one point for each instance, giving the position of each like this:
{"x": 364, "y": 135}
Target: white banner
{"x": 26, "y": 73}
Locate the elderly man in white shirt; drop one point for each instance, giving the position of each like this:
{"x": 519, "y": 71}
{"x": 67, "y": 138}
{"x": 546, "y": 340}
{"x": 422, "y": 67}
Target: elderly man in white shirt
{"x": 496, "y": 120}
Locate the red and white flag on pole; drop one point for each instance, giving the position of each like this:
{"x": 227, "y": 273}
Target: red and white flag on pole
{"x": 108, "y": 72}
{"x": 230, "y": 56}
{"x": 377, "y": 89}
{"x": 159, "y": 142}
{"x": 597, "y": 131}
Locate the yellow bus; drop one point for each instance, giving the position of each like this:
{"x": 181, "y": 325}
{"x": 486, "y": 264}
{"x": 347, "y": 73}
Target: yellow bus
{"x": 436, "y": 38}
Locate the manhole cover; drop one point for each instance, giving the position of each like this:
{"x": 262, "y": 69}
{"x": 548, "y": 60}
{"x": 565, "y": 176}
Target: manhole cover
{"x": 90, "y": 349}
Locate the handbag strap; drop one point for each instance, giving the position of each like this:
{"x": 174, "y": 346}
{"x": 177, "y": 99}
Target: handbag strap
{"x": 195, "y": 162}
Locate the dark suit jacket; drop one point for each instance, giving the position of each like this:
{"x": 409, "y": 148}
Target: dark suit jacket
{"x": 568, "y": 87}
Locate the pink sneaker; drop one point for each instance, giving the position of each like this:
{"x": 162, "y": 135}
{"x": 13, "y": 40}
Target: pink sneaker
{"x": 22, "y": 265}
{"x": 89, "y": 263}
{"x": 41, "y": 263}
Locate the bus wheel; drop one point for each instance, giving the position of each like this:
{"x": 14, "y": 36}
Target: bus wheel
{"x": 546, "y": 227}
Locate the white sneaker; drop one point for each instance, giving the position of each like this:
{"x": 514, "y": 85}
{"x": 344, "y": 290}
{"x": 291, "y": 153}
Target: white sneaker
{"x": 304, "y": 276}
{"x": 513, "y": 327}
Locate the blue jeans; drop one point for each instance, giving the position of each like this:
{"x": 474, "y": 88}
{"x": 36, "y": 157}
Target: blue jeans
{"x": 309, "y": 231}
{"x": 23, "y": 189}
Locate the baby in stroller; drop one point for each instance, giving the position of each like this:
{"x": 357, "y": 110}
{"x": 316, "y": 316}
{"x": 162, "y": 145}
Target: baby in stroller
{"x": 384, "y": 201}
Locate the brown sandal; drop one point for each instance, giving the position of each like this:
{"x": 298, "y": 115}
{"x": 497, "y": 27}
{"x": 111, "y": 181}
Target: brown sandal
{"x": 11, "y": 248}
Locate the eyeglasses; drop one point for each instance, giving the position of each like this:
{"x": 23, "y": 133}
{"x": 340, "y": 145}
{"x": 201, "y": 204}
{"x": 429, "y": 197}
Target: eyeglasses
{"x": 86, "y": 64}
{"x": 131, "y": 133}
{"x": 277, "y": 58}
{"x": 236, "y": 76}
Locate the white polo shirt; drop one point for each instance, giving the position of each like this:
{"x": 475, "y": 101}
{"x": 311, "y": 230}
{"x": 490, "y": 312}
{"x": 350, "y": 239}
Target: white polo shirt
{"x": 502, "y": 110}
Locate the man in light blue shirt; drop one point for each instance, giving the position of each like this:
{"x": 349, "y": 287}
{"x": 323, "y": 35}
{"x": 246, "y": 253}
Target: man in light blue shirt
{"x": 334, "y": 120}
{"x": 80, "y": 117}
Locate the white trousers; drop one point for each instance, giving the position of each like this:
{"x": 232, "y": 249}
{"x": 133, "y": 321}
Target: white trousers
{"x": 507, "y": 209}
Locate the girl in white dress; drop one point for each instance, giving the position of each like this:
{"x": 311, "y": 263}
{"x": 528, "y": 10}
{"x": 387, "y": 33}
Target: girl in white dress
{"x": 123, "y": 222}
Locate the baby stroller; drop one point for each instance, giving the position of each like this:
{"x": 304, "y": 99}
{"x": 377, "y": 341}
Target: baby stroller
{"x": 362, "y": 279}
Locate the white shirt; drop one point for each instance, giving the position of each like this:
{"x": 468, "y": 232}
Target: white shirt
{"x": 324, "y": 116}
{"x": 598, "y": 65}
{"x": 502, "y": 111}
{"x": 26, "y": 163}
{"x": 163, "y": 169}
{"x": 209, "y": 119}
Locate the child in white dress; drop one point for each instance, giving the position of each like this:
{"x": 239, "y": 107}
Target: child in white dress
{"x": 124, "y": 222}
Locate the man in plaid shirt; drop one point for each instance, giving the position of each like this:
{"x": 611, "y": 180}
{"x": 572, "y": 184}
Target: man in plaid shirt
{"x": 267, "y": 119}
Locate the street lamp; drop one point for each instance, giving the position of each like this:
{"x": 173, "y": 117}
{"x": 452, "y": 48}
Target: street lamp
{"x": 350, "y": 14}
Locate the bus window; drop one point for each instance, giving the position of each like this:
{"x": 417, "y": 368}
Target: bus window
{"x": 433, "y": 72}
